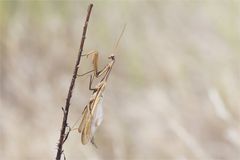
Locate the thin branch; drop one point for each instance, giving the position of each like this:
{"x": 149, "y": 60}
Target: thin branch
{"x": 62, "y": 137}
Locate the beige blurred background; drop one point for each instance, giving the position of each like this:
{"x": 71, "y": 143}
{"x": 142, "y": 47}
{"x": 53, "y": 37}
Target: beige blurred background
{"x": 174, "y": 92}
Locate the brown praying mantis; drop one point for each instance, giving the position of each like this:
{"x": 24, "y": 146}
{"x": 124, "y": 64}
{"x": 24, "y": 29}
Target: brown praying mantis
{"x": 92, "y": 115}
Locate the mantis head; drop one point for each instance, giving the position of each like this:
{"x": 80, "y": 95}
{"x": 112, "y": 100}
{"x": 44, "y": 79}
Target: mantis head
{"x": 112, "y": 57}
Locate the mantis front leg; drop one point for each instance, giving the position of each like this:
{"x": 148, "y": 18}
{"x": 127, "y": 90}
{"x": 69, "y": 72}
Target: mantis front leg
{"x": 95, "y": 60}
{"x": 90, "y": 84}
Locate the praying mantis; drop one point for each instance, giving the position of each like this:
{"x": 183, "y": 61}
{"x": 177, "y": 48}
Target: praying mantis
{"x": 92, "y": 115}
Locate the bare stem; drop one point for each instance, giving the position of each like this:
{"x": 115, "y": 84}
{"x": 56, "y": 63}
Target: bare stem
{"x": 62, "y": 137}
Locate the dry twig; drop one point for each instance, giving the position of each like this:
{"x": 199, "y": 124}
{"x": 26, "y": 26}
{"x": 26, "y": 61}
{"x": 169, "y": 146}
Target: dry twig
{"x": 62, "y": 137}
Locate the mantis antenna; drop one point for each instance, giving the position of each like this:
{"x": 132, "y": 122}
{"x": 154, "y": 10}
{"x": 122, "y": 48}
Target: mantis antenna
{"x": 124, "y": 27}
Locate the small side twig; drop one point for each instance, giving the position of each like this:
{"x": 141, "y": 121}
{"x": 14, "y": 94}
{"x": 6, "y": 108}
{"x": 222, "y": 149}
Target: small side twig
{"x": 64, "y": 136}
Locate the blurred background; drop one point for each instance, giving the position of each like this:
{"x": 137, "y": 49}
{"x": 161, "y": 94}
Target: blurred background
{"x": 174, "y": 91}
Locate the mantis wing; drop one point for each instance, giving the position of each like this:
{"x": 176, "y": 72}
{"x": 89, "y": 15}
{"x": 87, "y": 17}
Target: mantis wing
{"x": 85, "y": 114}
{"x": 86, "y": 128}
{"x": 97, "y": 116}
{"x": 91, "y": 121}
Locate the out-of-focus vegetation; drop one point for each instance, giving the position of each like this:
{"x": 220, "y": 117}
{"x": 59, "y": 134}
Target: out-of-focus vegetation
{"x": 174, "y": 92}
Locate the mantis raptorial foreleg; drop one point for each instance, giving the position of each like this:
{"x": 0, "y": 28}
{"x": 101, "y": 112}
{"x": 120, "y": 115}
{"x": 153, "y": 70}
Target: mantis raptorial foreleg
{"x": 90, "y": 84}
{"x": 97, "y": 73}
